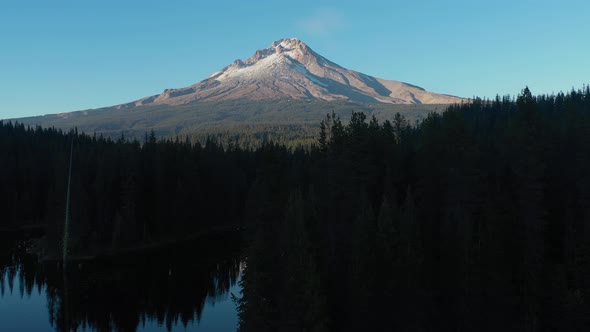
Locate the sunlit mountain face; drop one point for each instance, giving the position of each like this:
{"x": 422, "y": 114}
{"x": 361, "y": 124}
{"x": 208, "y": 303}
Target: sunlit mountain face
{"x": 288, "y": 68}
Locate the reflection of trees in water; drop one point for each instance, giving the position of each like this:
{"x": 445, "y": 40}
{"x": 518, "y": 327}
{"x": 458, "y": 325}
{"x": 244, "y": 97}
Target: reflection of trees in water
{"x": 169, "y": 287}
{"x": 14, "y": 264}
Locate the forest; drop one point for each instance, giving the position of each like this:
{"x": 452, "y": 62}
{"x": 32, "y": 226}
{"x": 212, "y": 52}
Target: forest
{"x": 476, "y": 218}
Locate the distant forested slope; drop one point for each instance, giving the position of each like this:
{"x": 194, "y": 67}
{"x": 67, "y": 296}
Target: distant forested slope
{"x": 285, "y": 120}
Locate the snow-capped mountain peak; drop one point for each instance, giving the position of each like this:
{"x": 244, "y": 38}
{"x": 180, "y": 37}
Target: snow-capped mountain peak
{"x": 288, "y": 68}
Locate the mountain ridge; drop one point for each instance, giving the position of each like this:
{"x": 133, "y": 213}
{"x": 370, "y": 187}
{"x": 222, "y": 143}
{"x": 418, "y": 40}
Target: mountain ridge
{"x": 290, "y": 69}
{"x": 285, "y": 83}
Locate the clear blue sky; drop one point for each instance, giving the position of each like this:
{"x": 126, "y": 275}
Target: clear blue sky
{"x": 60, "y": 56}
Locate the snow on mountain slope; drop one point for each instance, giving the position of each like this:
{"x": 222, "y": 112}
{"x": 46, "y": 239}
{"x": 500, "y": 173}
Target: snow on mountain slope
{"x": 289, "y": 69}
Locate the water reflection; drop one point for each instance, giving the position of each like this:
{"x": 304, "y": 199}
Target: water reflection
{"x": 170, "y": 287}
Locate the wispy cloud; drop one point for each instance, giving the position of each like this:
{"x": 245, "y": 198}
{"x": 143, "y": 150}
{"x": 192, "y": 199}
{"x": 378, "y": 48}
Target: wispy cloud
{"x": 323, "y": 21}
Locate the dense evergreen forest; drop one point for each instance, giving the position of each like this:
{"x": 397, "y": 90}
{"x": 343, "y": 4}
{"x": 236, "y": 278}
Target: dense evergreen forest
{"x": 123, "y": 193}
{"x": 476, "y": 219}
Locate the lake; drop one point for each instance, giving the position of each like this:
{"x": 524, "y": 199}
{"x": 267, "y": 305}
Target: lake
{"x": 187, "y": 287}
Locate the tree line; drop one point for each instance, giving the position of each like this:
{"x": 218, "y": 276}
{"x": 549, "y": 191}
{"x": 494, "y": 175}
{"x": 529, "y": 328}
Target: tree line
{"x": 477, "y": 218}
{"x": 123, "y": 193}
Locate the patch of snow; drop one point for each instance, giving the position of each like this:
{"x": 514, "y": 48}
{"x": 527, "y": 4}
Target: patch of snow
{"x": 275, "y": 62}
{"x": 301, "y": 69}
{"x": 215, "y": 73}
{"x": 261, "y": 68}
{"x": 287, "y": 46}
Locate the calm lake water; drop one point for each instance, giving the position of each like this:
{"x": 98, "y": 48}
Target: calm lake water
{"x": 185, "y": 288}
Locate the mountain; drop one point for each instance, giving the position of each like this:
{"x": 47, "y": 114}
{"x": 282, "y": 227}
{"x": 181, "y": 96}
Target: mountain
{"x": 286, "y": 87}
{"x": 289, "y": 69}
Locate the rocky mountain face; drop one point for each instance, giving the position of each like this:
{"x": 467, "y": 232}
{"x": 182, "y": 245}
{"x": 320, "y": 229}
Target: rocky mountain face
{"x": 283, "y": 86}
{"x": 289, "y": 69}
